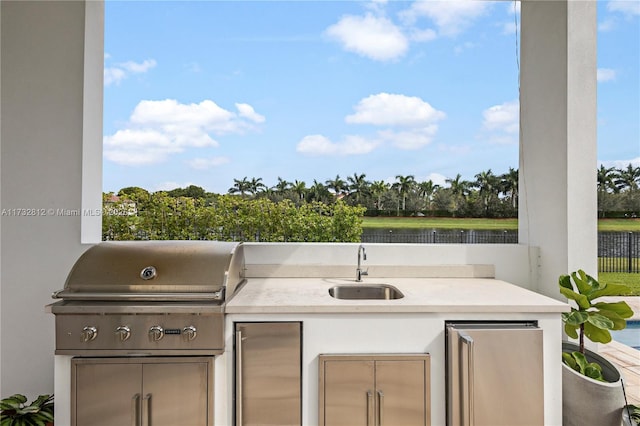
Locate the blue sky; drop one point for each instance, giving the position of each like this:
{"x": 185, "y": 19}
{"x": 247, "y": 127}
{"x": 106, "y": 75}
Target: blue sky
{"x": 205, "y": 92}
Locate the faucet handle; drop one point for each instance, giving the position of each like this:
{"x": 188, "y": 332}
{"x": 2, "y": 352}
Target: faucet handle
{"x": 365, "y": 272}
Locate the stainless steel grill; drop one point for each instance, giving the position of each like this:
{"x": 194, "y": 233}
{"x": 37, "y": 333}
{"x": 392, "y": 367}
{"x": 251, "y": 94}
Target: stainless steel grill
{"x": 148, "y": 298}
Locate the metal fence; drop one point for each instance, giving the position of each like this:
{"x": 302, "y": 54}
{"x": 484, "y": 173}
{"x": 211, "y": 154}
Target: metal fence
{"x": 440, "y": 237}
{"x": 617, "y": 251}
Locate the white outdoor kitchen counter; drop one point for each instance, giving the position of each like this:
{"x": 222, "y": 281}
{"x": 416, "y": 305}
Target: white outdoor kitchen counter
{"x": 451, "y": 295}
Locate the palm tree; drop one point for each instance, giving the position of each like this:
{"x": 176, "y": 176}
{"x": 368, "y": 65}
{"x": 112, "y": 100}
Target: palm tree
{"x": 459, "y": 189}
{"x": 240, "y": 186}
{"x": 358, "y": 185}
{"x": 509, "y": 186}
{"x": 318, "y": 192}
{"x": 378, "y": 188}
{"x": 488, "y": 186}
{"x": 338, "y": 185}
{"x": 628, "y": 178}
{"x": 300, "y": 188}
{"x": 404, "y": 185}
{"x": 426, "y": 190}
{"x": 256, "y": 185}
{"x": 282, "y": 186}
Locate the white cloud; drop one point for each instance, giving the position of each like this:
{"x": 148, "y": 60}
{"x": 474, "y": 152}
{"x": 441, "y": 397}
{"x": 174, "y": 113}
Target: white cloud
{"x": 374, "y": 37}
{"x": 319, "y": 145}
{"x": 207, "y": 163}
{"x": 158, "y": 129}
{"x": 503, "y": 122}
{"x": 606, "y": 74}
{"x": 247, "y": 111}
{"x": 137, "y": 68}
{"x": 410, "y": 139}
{"x": 384, "y": 109}
{"x": 422, "y": 35}
{"x": 116, "y": 73}
{"x": 436, "y": 178}
{"x": 627, "y": 7}
{"x": 450, "y": 17}
{"x": 621, "y": 164}
{"x": 410, "y": 124}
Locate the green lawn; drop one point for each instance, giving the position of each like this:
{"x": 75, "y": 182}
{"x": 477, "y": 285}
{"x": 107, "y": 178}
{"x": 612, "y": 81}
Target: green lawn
{"x": 481, "y": 224}
{"x": 632, "y": 281}
{"x": 440, "y": 223}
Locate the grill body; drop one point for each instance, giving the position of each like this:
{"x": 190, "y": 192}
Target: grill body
{"x": 148, "y": 298}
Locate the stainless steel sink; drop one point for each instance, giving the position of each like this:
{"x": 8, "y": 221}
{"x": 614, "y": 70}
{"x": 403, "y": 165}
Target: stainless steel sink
{"x": 366, "y": 292}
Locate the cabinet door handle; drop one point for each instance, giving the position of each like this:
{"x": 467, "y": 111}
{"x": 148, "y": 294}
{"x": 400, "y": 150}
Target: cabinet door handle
{"x": 146, "y": 410}
{"x": 380, "y": 407}
{"x": 467, "y": 340}
{"x": 369, "y": 407}
{"x": 239, "y": 377}
{"x": 135, "y": 410}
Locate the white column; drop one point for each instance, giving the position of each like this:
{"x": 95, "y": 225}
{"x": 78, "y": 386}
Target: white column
{"x": 558, "y": 156}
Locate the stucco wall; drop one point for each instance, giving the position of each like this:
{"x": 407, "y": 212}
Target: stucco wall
{"x": 42, "y": 74}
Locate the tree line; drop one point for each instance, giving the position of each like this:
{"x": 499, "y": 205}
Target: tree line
{"x": 331, "y": 210}
{"x": 487, "y": 195}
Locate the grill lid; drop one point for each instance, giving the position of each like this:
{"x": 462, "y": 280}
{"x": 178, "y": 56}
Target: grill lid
{"x": 156, "y": 271}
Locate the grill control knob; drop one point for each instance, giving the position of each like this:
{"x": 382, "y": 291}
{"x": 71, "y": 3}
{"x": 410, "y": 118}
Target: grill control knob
{"x": 88, "y": 334}
{"x": 189, "y": 333}
{"x": 123, "y": 332}
{"x": 156, "y": 333}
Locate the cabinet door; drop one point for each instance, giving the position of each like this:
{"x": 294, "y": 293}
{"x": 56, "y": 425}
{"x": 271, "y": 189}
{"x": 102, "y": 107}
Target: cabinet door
{"x": 401, "y": 392}
{"x": 176, "y": 394}
{"x": 348, "y": 393}
{"x": 106, "y": 394}
{"x": 268, "y": 374}
{"x": 373, "y": 390}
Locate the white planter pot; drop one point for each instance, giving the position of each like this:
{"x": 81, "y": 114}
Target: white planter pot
{"x": 586, "y": 401}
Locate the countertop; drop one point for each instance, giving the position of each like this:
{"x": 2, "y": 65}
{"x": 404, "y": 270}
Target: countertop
{"x": 311, "y": 295}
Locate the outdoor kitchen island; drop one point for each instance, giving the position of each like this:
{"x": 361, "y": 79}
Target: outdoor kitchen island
{"x": 410, "y": 325}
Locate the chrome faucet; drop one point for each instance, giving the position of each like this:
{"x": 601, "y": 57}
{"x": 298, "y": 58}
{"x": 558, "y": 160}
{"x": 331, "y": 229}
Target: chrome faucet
{"x": 362, "y": 255}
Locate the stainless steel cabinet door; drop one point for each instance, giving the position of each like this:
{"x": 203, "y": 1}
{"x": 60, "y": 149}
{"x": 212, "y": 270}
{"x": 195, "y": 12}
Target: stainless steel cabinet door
{"x": 142, "y": 391}
{"x": 106, "y": 394}
{"x": 495, "y": 376}
{"x": 374, "y": 390}
{"x": 401, "y": 392}
{"x": 348, "y": 394}
{"x": 268, "y": 374}
{"x": 176, "y": 394}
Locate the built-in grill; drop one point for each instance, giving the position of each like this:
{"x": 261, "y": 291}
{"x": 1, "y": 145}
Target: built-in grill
{"x": 148, "y": 298}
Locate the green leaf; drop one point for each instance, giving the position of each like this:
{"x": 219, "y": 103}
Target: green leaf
{"x": 572, "y": 331}
{"x": 610, "y": 290}
{"x": 596, "y": 334}
{"x": 599, "y": 321}
{"x": 580, "y": 299}
{"x": 565, "y": 282}
{"x": 618, "y": 322}
{"x": 620, "y": 308}
{"x": 575, "y": 317}
{"x": 581, "y": 361}
{"x": 594, "y": 371}
{"x": 570, "y": 361}
{"x": 586, "y": 284}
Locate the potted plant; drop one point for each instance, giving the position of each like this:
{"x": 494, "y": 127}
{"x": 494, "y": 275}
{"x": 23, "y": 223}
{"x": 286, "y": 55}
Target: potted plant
{"x": 14, "y": 411}
{"x": 591, "y": 385}
{"x": 631, "y": 415}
